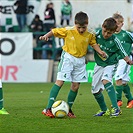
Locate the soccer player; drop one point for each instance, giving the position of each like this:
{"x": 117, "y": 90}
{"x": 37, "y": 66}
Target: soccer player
{"x": 2, "y": 110}
{"x": 123, "y": 69}
{"x": 72, "y": 65}
{"x": 105, "y": 67}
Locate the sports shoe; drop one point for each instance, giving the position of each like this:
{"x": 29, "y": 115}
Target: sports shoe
{"x": 3, "y": 112}
{"x": 48, "y": 113}
{"x": 119, "y": 103}
{"x": 71, "y": 114}
{"x": 115, "y": 112}
{"x": 130, "y": 104}
{"x": 103, "y": 113}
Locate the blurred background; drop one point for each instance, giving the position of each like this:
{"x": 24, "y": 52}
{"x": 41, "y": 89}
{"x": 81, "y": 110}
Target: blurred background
{"x": 24, "y": 58}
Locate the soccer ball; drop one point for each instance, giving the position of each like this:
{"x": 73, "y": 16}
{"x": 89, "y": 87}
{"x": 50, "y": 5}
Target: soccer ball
{"x": 60, "y": 109}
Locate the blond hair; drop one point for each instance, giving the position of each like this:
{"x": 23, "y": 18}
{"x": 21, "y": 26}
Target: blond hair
{"x": 118, "y": 16}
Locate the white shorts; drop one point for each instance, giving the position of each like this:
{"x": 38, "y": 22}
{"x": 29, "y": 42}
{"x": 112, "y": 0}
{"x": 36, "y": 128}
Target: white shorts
{"x": 101, "y": 73}
{"x": 72, "y": 69}
{"x": 123, "y": 71}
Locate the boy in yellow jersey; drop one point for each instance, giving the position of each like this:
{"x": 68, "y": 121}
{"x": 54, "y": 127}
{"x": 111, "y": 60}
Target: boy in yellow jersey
{"x": 72, "y": 66}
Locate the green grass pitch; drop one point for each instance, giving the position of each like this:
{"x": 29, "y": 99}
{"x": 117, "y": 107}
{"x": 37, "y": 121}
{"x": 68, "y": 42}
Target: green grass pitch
{"x": 25, "y": 103}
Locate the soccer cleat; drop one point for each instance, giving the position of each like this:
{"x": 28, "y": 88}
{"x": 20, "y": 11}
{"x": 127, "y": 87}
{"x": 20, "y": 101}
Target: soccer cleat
{"x": 71, "y": 114}
{"x": 3, "y": 112}
{"x": 103, "y": 113}
{"x": 115, "y": 112}
{"x": 48, "y": 113}
{"x": 119, "y": 103}
{"x": 130, "y": 104}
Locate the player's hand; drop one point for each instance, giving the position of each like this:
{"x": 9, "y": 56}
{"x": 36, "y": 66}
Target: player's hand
{"x": 103, "y": 54}
{"x": 44, "y": 38}
{"x": 130, "y": 62}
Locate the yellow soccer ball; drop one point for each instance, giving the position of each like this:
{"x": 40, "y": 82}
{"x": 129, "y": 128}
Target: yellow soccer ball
{"x": 60, "y": 109}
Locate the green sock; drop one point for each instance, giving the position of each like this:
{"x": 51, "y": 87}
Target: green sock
{"x": 71, "y": 98}
{"x": 111, "y": 93}
{"x": 53, "y": 94}
{"x": 1, "y": 98}
{"x": 126, "y": 90}
{"x": 100, "y": 100}
{"x": 119, "y": 90}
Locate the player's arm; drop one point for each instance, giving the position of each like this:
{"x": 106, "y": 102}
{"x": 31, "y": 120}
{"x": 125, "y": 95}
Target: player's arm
{"x": 128, "y": 61}
{"x": 98, "y": 50}
{"x": 130, "y": 35}
{"x": 95, "y": 46}
{"x": 46, "y": 36}
{"x": 123, "y": 53}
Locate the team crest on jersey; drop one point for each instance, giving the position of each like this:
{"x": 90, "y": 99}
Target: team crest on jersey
{"x": 110, "y": 42}
{"x": 123, "y": 34}
{"x": 72, "y": 38}
{"x": 86, "y": 39}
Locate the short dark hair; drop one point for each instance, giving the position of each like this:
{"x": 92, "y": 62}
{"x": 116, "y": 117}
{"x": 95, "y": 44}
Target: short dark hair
{"x": 37, "y": 16}
{"x": 110, "y": 24}
{"x": 81, "y": 18}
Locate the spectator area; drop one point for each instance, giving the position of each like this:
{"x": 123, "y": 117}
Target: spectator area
{"x": 54, "y": 52}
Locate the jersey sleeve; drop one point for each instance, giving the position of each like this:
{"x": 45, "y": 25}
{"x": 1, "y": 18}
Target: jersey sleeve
{"x": 130, "y": 35}
{"x": 92, "y": 41}
{"x": 59, "y": 32}
{"x": 121, "y": 50}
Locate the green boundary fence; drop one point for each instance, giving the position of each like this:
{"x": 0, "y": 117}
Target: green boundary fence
{"x": 90, "y": 69}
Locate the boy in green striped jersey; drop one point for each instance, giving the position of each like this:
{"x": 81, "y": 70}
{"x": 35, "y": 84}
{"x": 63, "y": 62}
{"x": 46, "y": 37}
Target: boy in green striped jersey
{"x": 105, "y": 67}
{"x": 123, "y": 69}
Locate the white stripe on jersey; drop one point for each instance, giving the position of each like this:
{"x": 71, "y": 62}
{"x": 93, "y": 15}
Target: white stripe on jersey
{"x": 120, "y": 46}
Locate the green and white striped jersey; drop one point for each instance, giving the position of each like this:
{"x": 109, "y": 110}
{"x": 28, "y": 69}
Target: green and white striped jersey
{"x": 112, "y": 47}
{"x": 126, "y": 40}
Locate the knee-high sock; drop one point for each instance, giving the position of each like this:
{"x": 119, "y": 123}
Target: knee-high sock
{"x": 111, "y": 93}
{"x": 71, "y": 98}
{"x": 53, "y": 94}
{"x": 119, "y": 90}
{"x": 100, "y": 100}
{"x": 126, "y": 90}
{"x": 1, "y": 98}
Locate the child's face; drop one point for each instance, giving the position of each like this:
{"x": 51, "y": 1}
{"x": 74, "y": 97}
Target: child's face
{"x": 81, "y": 29}
{"x": 119, "y": 24}
{"x": 106, "y": 33}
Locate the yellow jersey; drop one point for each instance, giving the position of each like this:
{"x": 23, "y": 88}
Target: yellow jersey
{"x": 74, "y": 43}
